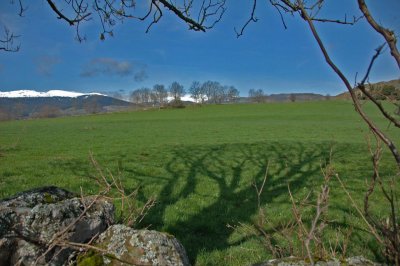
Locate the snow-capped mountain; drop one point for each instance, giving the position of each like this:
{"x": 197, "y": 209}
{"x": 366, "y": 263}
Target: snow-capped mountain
{"x": 32, "y": 104}
{"x": 185, "y": 98}
{"x": 51, "y": 93}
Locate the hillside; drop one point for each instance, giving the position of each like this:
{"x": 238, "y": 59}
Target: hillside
{"x": 34, "y": 107}
{"x": 395, "y": 83}
{"x": 201, "y": 164}
{"x": 282, "y": 97}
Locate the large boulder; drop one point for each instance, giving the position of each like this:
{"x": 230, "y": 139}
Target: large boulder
{"x": 126, "y": 246}
{"x": 29, "y": 221}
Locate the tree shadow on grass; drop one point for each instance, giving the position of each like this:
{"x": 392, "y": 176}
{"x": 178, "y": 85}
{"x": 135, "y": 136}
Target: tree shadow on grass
{"x": 212, "y": 186}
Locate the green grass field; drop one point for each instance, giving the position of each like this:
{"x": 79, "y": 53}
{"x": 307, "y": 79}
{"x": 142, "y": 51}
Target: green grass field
{"x": 201, "y": 162}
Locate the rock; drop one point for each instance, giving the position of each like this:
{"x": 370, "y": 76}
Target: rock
{"x": 29, "y": 220}
{"x": 140, "y": 247}
{"x": 293, "y": 261}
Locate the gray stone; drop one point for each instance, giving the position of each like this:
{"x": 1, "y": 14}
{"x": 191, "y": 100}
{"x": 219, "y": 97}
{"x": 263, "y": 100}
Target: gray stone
{"x": 293, "y": 261}
{"x": 29, "y": 220}
{"x": 141, "y": 247}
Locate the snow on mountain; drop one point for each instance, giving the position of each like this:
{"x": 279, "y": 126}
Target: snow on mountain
{"x": 185, "y": 98}
{"x": 51, "y": 93}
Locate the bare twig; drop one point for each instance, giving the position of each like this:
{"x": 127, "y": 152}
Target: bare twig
{"x": 106, "y": 188}
{"x": 80, "y": 13}
{"x": 7, "y": 42}
{"x": 371, "y": 228}
{"x": 251, "y": 19}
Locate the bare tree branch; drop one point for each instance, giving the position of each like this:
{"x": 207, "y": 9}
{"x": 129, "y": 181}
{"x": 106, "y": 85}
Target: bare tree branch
{"x": 22, "y": 9}
{"x": 338, "y": 21}
{"x": 389, "y": 143}
{"x": 362, "y": 88}
{"x": 251, "y": 19}
{"x": 110, "y": 12}
{"x": 80, "y": 13}
{"x": 193, "y": 24}
{"x": 386, "y": 33}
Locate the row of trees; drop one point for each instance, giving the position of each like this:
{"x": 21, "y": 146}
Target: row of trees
{"x": 257, "y": 96}
{"x": 213, "y": 92}
{"x": 207, "y": 92}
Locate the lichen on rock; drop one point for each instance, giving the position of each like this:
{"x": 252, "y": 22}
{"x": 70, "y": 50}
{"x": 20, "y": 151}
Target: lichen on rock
{"x": 29, "y": 220}
{"x": 142, "y": 247}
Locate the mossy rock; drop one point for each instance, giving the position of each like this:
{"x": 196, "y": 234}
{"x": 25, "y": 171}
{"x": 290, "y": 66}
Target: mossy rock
{"x": 90, "y": 258}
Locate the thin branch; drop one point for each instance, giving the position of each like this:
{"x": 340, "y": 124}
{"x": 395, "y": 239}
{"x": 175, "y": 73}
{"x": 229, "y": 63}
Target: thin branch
{"x": 371, "y": 228}
{"x": 193, "y": 24}
{"x": 389, "y": 143}
{"x": 338, "y": 21}
{"x": 386, "y": 33}
{"x": 362, "y": 88}
{"x": 280, "y": 13}
{"x": 251, "y": 19}
{"x": 62, "y": 16}
{"x": 22, "y": 9}
{"x": 7, "y": 42}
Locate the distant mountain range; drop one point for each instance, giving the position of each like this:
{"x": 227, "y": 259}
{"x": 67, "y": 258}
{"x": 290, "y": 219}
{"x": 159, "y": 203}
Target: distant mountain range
{"x": 33, "y": 104}
{"x": 23, "y": 104}
{"x": 51, "y": 93}
{"x": 281, "y": 97}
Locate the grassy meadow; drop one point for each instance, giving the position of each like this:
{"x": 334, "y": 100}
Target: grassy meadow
{"x": 201, "y": 162}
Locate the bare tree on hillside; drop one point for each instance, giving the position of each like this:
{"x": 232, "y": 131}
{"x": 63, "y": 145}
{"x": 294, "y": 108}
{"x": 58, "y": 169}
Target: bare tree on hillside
{"x": 196, "y": 92}
{"x": 141, "y": 96}
{"x": 212, "y": 91}
{"x": 292, "y": 97}
{"x": 257, "y": 96}
{"x": 160, "y": 93}
{"x": 48, "y": 111}
{"x": 177, "y": 91}
{"x": 231, "y": 94}
{"x": 91, "y": 106}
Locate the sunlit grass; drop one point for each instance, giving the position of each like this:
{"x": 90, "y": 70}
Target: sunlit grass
{"x": 201, "y": 162}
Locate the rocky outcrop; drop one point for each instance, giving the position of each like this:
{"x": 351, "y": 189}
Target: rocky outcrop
{"x": 29, "y": 221}
{"x": 141, "y": 247}
{"x": 32, "y": 220}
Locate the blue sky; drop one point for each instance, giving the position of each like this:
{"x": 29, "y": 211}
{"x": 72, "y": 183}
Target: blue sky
{"x": 266, "y": 57}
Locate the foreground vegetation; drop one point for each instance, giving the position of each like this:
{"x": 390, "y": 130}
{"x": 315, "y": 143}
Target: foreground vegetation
{"x": 201, "y": 163}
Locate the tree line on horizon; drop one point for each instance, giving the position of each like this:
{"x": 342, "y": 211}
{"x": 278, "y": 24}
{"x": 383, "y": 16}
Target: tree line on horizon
{"x": 206, "y": 92}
